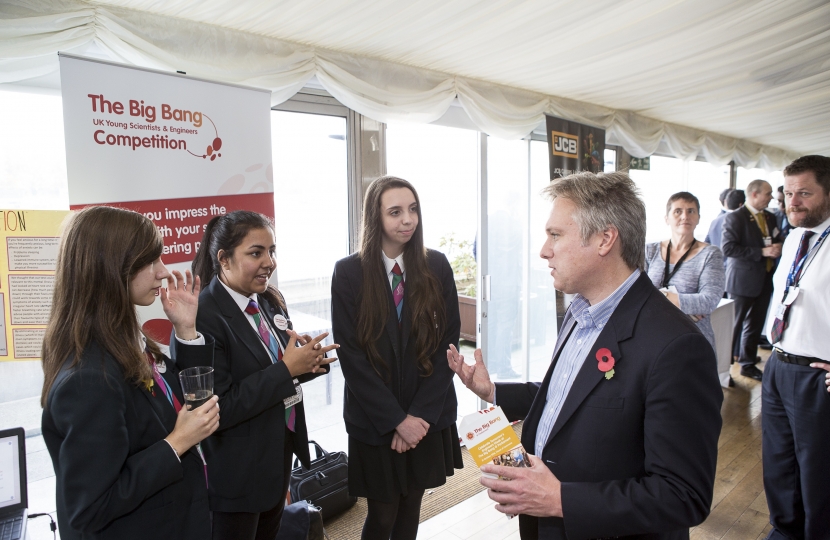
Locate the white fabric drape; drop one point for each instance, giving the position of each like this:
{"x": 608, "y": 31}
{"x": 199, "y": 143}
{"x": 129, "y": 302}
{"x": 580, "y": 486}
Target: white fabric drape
{"x": 32, "y": 32}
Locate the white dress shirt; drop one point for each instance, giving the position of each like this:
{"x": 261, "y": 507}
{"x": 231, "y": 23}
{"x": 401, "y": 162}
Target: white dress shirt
{"x": 808, "y": 331}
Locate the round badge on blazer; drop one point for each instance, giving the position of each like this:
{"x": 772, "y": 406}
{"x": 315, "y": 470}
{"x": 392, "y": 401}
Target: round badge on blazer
{"x": 161, "y": 366}
{"x": 280, "y": 322}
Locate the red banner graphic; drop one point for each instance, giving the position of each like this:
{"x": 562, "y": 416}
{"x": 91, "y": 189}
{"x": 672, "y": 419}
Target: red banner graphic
{"x": 182, "y": 221}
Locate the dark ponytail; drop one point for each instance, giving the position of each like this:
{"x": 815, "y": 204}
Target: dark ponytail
{"x": 226, "y": 233}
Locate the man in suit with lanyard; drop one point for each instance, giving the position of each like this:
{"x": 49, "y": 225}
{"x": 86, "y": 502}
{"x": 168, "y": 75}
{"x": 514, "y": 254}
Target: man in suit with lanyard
{"x": 796, "y": 404}
{"x": 623, "y": 429}
{"x": 751, "y": 242}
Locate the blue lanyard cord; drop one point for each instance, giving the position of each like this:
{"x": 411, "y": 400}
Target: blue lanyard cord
{"x": 796, "y": 268}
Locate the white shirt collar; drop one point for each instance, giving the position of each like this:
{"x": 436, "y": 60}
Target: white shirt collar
{"x": 240, "y": 300}
{"x": 390, "y": 263}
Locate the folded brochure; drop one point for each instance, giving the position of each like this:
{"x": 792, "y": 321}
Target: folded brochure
{"x": 490, "y": 438}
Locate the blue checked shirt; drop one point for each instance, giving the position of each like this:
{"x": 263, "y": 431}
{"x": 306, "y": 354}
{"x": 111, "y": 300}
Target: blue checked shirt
{"x": 589, "y": 321}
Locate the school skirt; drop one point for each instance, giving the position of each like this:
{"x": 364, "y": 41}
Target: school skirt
{"x": 380, "y": 473}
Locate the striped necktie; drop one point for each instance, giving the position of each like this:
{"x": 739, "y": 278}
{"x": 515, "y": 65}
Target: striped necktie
{"x": 761, "y": 220}
{"x": 274, "y": 348}
{"x": 780, "y": 324}
{"x": 397, "y": 289}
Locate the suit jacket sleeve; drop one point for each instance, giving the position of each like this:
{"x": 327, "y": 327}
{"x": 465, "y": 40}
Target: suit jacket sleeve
{"x": 515, "y": 399}
{"x": 239, "y": 400}
{"x": 732, "y": 238}
{"x": 681, "y": 426}
{"x": 376, "y": 400}
{"x": 428, "y": 403}
{"x": 101, "y": 482}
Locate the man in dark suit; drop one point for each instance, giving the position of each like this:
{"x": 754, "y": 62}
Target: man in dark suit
{"x": 623, "y": 429}
{"x": 751, "y": 243}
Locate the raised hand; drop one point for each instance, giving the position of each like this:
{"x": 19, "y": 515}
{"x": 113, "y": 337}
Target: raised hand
{"x": 474, "y": 377}
{"x": 309, "y": 356}
{"x": 180, "y": 302}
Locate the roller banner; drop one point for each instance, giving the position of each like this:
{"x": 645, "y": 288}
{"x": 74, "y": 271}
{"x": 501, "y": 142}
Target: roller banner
{"x": 177, "y": 149}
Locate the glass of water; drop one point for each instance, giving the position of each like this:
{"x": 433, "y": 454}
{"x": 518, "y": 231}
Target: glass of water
{"x": 197, "y": 385}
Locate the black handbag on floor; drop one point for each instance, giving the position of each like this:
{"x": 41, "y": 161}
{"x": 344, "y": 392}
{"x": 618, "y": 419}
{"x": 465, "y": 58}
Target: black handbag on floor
{"x": 325, "y": 484}
{"x": 301, "y": 521}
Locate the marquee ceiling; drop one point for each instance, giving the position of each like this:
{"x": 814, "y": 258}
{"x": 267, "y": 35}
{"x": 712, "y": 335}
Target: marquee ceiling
{"x": 755, "y": 70}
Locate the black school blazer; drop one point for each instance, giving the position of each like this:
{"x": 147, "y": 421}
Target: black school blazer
{"x": 372, "y": 407}
{"x": 116, "y": 476}
{"x": 636, "y": 454}
{"x": 245, "y": 455}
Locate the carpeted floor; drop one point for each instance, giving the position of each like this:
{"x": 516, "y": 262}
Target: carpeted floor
{"x": 459, "y": 487}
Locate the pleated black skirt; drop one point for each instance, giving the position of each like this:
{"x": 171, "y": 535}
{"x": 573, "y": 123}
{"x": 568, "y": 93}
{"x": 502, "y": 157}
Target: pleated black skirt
{"x": 380, "y": 473}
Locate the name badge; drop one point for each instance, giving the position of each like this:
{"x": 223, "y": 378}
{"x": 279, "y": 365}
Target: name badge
{"x": 280, "y": 322}
{"x": 791, "y": 296}
{"x": 296, "y": 398}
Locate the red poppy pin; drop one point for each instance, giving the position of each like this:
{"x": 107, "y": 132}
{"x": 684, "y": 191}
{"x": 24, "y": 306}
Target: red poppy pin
{"x": 606, "y": 362}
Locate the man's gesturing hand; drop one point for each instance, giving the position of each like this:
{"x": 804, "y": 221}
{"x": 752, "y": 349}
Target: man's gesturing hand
{"x": 474, "y": 377}
{"x": 533, "y": 491}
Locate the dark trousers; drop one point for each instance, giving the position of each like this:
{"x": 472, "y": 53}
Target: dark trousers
{"x": 256, "y": 525}
{"x": 796, "y": 450}
{"x": 750, "y": 315}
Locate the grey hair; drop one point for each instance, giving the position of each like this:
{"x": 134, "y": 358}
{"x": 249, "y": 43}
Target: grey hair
{"x": 755, "y": 186}
{"x": 606, "y": 200}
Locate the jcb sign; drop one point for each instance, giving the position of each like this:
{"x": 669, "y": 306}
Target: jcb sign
{"x": 564, "y": 144}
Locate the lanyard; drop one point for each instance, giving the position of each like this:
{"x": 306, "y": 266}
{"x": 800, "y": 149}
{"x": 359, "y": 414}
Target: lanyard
{"x": 162, "y": 384}
{"x": 796, "y": 268}
{"x": 666, "y": 276}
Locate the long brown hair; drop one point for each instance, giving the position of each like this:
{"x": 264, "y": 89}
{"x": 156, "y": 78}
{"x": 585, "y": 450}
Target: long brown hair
{"x": 101, "y": 249}
{"x": 226, "y": 233}
{"x": 423, "y": 290}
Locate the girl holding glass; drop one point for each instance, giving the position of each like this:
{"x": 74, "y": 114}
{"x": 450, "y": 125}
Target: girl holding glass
{"x": 122, "y": 446}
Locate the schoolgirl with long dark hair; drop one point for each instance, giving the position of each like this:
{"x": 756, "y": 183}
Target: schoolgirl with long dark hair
{"x": 120, "y": 441}
{"x": 395, "y": 313}
{"x": 258, "y": 372}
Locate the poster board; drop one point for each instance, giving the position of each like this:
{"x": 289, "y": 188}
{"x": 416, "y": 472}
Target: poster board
{"x": 574, "y": 147}
{"x": 29, "y": 242}
{"x": 177, "y": 149}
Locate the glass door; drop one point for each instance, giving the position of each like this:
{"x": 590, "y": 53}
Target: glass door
{"x": 311, "y": 207}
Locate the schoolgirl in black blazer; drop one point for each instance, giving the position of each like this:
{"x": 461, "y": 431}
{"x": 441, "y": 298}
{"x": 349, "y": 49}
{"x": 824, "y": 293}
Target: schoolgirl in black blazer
{"x": 399, "y": 401}
{"x": 124, "y": 458}
{"x": 249, "y": 457}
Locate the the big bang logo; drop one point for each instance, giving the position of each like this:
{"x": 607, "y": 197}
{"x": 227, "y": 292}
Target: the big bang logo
{"x": 166, "y": 135}
{"x": 564, "y": 144}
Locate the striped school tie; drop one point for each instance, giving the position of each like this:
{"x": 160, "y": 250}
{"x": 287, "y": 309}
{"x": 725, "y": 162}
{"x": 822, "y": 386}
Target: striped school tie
{"x": 276, "y": 353}
{"x": 397, "y": 289}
